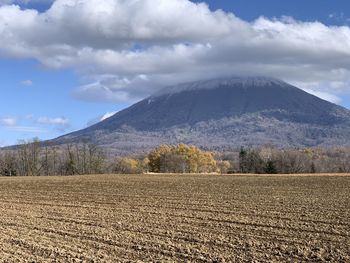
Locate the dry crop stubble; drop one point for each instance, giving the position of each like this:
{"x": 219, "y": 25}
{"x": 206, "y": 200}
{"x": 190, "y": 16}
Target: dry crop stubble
{"x": 200, "y": 218}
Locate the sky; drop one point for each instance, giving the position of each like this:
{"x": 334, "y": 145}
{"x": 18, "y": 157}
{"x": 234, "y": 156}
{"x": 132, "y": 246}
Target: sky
{"x": 67, "y": 64}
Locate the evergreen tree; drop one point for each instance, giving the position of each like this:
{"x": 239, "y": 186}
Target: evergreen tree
{"x": 243, "y": 160}
{"x": 270, "y": 167}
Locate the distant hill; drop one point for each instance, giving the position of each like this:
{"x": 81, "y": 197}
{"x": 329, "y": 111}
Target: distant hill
{"x": 222, "y": 113}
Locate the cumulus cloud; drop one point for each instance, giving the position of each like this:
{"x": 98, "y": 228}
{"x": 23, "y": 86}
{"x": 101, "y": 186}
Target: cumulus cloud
{"x": 36, "y": 125}
{"x": 126, "y": 50}
{"x": 61, "y": 123}
{"x": 8, "y": 121}
{"x": 53, "y": 121}
{"x": 12, "y": 123}
{"x": 113, "y": 88}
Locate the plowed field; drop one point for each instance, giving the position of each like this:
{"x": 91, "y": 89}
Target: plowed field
{"x": 175, "y": 218}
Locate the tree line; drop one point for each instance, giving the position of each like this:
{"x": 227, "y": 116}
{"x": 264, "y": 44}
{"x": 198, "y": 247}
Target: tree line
{"x": 269, "y": 160}
{"x": 35, "y": 158}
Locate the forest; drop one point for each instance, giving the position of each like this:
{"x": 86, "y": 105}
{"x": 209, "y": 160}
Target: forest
{"x": 36, "y": 158}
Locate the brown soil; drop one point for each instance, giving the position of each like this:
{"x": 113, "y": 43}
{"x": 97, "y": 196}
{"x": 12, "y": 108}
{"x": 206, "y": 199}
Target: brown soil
{"x": 197, "y": 218}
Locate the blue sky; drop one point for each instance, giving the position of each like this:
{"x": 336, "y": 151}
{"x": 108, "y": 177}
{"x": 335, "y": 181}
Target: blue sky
{"x": 65, "y": 66}
{"x": 309, "y": 10}
{"x": 44, "y": 107}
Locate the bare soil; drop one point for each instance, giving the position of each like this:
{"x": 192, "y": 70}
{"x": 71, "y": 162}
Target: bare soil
{"x": 175, "y": 218}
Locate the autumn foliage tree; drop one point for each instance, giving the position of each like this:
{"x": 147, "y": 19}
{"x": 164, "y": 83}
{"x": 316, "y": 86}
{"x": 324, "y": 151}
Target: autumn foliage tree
{"x": 157, "y": 158}
{"x": 126, "y": 166}
{"x": 181, "y": 158}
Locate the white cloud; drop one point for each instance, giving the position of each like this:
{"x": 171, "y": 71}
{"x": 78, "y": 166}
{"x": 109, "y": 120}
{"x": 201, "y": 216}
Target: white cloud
{"x": 325, "y": 96}
{"x": 8, "y": 121}
{"x": 15, "y": 124}
{"x": 126, "y": 50}
{"x": 108, "y": 115}
{"x": 330, "y": 91}
{"x": 53, "y": 121}
{"x": 112, "y": 88}
{"x": 27, "y": 82}
{"x": 61, "y": 124}
{"x": 101, "y": 118}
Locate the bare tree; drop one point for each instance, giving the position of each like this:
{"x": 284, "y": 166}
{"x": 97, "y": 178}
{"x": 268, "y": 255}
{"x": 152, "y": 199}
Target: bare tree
{"x": 8, "y": 164}
{"x": 29, "y": 157}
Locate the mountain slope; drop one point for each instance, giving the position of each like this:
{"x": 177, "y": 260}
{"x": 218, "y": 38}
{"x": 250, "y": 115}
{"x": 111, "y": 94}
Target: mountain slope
{"x": 223, "y": 112}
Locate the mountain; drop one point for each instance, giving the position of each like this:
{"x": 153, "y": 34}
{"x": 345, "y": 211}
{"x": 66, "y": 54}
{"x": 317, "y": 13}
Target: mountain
{"x": 222, "y": 113}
